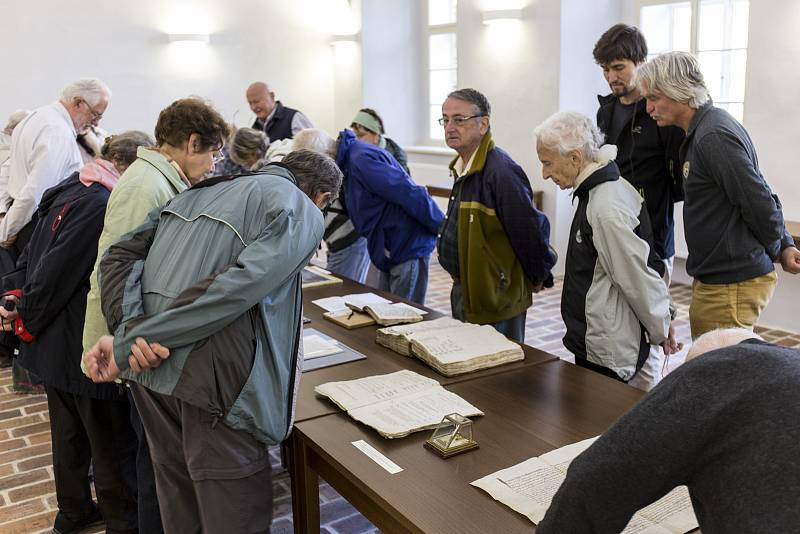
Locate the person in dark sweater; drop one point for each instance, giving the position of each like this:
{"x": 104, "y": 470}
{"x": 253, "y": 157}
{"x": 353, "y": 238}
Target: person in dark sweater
{"x": 733, "y": 222}
{"x": 272, "y": 117}
{"x": 89, "y": 422}
{"x": 647, "y": 155}
{"x": 368, "y": 127}
{"x": 726, "y": 425}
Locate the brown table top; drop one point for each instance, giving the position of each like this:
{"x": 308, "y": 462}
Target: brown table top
{"x": 529, "y": 411}
{"x": 380, "y": 360}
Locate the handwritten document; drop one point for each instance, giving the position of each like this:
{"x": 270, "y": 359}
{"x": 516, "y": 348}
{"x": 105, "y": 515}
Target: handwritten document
{"x": 529, "y": 488}
{"x": 396, "y": 404}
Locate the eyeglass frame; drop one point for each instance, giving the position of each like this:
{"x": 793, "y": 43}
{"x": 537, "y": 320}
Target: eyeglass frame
{"x": 96, "y": 117}
{"x": 458, "y": 121}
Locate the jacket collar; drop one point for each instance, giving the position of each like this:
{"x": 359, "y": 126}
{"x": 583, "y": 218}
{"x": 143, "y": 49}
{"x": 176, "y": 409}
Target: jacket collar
{"x": 479, "y": 161}
{"x": 273, "y": 169}
{"x": 698, "y": 116}
{"x": 598, "y": 174}
{"x": 346, "y": 140}
{"x": 160, "y": 162}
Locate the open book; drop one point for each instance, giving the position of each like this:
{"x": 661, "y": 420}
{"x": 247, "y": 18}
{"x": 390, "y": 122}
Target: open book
{"x": 529, "y": 487}
{"x": 396, "y": 404}
{"x": 388, "y": 314}
{"x": 452, "y": 347}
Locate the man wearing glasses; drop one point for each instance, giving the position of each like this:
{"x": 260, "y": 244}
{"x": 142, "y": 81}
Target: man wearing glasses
{"x": 493, "y": 242}
{"x": 44, "y": 152}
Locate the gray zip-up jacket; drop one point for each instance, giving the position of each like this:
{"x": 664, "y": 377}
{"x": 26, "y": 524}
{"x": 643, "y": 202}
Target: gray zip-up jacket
{"x": 214, "y": 276}
{"x": 614, "y": 304}
{"x": 733, "y": 222}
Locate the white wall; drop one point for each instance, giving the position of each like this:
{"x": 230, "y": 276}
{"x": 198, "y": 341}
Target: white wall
{"x": 49, "y": 44}
{"x": 772, "y": 87}
{"x": 392, "y": 52}
{"x": 580, "y": 81}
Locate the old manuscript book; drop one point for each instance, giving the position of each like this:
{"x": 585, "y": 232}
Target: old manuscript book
{"x": 452, "y": 347}
{"x": 396, "y": 404}
{"x": 387, "y": 314}
{"x": 398, "y": 338}
{"x": 529, "y": 487}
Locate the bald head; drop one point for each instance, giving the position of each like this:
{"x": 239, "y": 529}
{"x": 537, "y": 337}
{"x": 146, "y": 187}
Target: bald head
{"x": 718, "y": 339}
{"x": 260, "y": 99}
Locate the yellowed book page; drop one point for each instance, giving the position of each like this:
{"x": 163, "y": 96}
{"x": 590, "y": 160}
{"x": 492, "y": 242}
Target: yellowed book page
{"x": 457, "y": 345}
{"x": 353, "y": 394}
{"x": 400, "y": 416}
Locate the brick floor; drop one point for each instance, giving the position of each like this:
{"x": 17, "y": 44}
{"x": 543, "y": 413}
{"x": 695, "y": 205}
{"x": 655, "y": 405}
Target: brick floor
{"x": 27, "y": 498}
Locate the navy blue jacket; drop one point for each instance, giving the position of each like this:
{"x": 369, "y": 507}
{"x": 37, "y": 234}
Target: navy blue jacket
{"x": 398, "y": 217}
{"x": 734, "y": 223}
{"x": 53, "y": 274}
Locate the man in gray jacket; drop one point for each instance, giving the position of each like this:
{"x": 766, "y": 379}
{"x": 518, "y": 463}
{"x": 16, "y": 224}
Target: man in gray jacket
{"x": 214, "y": 277}
{"x": 614, "y": 302}
{"x": 733, "y": 222}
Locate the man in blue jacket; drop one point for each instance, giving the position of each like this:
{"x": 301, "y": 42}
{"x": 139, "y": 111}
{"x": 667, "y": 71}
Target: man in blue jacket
{"x": 494, "y": 243}
{"x": 398, "y": 217}
{"x": 734, "y": 223}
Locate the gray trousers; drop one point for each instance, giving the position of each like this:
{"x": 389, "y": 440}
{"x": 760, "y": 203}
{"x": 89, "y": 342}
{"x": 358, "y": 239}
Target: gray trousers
{"x": 209, "y": 478}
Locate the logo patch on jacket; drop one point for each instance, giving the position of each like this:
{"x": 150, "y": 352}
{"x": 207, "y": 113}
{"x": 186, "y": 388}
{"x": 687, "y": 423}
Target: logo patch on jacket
{"x": 578, "y": 238}
{"x": 686, "y": 170}
{"x": 636, "y": 129}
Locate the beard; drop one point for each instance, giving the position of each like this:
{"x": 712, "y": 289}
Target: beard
{"x": 619, "y": 90}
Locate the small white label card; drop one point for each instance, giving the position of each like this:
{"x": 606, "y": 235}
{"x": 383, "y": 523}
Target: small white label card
{"x": 377, "y": 457}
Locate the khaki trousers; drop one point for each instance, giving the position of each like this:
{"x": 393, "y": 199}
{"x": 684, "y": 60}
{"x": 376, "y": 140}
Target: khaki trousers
{"x": 729, "y": 305}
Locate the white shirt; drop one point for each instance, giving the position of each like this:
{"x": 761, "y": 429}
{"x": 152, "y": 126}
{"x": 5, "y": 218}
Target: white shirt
{"x": 43, "y": 153}
{"x": 5, "y": 162}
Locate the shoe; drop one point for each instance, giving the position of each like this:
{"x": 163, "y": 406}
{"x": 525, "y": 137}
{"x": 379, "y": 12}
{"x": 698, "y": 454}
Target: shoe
{"x": 69, "y": 525}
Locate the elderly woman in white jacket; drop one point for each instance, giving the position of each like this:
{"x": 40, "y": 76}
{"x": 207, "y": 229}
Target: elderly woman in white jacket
{"x": 614, "y": 303}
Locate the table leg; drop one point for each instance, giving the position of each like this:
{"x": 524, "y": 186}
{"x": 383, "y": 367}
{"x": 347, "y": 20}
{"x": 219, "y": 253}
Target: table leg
{"x": 305, "y": 487}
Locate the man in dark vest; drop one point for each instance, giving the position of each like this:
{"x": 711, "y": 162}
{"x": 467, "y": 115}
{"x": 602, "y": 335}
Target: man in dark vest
{"x": 272, "y": 117}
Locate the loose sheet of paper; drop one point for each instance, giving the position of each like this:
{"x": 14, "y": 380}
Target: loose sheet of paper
{"x": 529, "y": 488}
{"x": 376, "y": 456}
{"x": 315, "y": 346}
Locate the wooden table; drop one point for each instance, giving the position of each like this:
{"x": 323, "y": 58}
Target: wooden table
{"x": 529, "y": 410}
{"x": 380, "y": 360}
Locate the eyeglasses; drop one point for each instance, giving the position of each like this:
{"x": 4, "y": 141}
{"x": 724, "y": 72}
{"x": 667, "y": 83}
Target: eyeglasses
{"x": 458, "y": 121}
{"x": 218, "y": 157}
{"x": 95, "y": 115}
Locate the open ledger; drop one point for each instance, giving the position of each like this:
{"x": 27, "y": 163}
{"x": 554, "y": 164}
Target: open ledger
{"x": 529, "y": 487}
{"x": 387, "y": 314}
{"x": 451, "y": 347}
{"x": 396, "y": 404}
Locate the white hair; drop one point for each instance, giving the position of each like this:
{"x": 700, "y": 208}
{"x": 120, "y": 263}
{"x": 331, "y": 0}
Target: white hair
{"x": 675, "y": 75}
{"x": 14, "y": 119}
{"x": 315, "y": 140}
{"x": 92, "y": 90}
{"x": 719, "y": 338}
{"x": 566, "y": 131}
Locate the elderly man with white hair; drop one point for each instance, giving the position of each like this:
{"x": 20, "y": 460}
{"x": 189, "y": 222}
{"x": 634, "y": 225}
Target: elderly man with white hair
{"x": 44, "y": 151}
{"x": 614, "y": 303}
{"x": 725, "y": 424}
{"x": 733, "y": 222}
